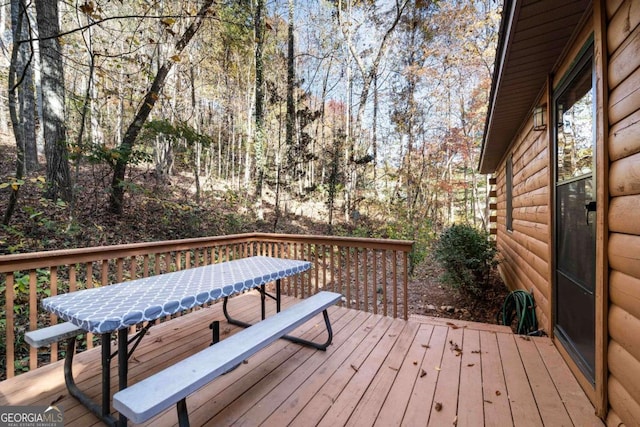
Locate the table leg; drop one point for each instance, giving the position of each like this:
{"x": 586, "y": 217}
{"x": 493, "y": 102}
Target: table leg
{"x": 103, "y": 411}
{"x": 106, "y": 373}
{"x": 263, "y": 297}
{"x": 319, "y": 346}
{"x": 100, "y": 411}
{"x": 123, "y": 366}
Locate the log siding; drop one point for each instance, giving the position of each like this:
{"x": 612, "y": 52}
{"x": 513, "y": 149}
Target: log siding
{"x": 525, "y": 249}
{"x": 623, "y": 42}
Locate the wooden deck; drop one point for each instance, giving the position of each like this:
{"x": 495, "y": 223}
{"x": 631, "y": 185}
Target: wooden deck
{"x": 378, "y": 371}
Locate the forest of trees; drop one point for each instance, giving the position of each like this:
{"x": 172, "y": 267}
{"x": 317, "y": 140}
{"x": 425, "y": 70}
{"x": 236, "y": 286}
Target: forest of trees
{"x": 372, "y": 109}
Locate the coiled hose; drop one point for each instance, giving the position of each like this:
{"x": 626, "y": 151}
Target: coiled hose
{"x": 520, "y": 305}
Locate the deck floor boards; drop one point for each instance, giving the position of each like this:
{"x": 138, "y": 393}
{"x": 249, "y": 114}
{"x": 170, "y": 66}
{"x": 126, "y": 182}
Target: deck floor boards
{"x": 378, "y": 371}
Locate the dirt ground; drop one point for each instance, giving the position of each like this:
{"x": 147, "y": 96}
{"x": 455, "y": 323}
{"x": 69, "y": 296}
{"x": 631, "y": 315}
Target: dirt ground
{"x": 427, "y": 296}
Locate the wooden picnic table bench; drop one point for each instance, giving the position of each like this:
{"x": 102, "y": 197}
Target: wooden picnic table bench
{"x": 117, "y": 307}
{"x": 172, "y": 385}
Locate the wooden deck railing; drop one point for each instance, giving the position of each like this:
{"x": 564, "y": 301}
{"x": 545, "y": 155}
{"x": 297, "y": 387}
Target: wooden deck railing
{"x": 372, "y": 274}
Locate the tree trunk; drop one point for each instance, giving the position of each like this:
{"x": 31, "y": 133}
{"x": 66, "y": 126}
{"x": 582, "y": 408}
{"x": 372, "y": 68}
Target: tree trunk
{"x": 128, "y": 141}
{"x": 24, "y": 85}
{"x": 259, "y": 138}
{"x": 16, "y": 24}
{"x": 4, "y": 59}
{"x": 55, "y": 131}
{"x": 291, "y": 113}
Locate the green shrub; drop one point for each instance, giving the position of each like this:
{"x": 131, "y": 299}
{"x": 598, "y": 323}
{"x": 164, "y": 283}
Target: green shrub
{"x": 467, "y": 257}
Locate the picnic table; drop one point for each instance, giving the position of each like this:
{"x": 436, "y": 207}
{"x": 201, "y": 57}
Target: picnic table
{"x": 115, "y": 308}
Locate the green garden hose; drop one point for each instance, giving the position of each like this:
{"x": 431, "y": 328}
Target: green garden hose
{"x": 519, "y": 305}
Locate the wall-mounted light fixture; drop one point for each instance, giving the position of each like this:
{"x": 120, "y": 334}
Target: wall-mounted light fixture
{"x": 540, "y": 117}
{"x": 560, "y": 115}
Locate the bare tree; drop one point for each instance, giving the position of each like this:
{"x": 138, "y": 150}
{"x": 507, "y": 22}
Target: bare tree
{"x": 259, "y": 138}
{"x": 144, "y": 109}
{"x": 368, "y": 74}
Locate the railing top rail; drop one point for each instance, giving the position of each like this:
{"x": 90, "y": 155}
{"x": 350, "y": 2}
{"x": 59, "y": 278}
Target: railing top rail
{"x": 31, "y": 260}
{"x": 364, "y": 242}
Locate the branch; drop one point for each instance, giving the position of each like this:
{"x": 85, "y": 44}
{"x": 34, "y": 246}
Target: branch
{"x": 109, "y": 18}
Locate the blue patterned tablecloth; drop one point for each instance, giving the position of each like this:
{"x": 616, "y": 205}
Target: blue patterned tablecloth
{"x": 121, "y": 305}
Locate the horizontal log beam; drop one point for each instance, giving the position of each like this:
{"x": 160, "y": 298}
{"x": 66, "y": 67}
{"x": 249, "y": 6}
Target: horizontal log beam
{"x": 624, "y": 137}
{"x": 624, "y": 176}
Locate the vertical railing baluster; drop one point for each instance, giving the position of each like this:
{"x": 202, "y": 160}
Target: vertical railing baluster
{"x": 332, "y": 268}
{"x": 347, "y": 264}
{"x": 316, "y": 268}
{"x": 365, "y": 275}
{"x": 395, "y": 283}
{"x": 10, "y": 326}
{"x": 286, "y": 252}
{"x": 53, "y": 290}
{"x": 119, "y": 270}
{"x": 383, "y": 259}
{"x": 145, "y": 266}
{"x": 356, "y": 265}
{"x": 341, "y": 287}
{"x": 156, "y": 264}
{"x": 133, "y": 267}
{"x": 295, "y": 279}
{"x": 104, "y": 273}
{"x": 323, "y": 260}
{"x": 89, "y": 283}
{"x": 33, "y": 315}
{"x": 405, "y": 284}
{"x": 375, "y": 282}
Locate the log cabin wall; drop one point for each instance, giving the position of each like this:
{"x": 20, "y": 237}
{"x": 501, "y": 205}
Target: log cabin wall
{"x": 525, "y": 249}
{"x": 623, "y": 49}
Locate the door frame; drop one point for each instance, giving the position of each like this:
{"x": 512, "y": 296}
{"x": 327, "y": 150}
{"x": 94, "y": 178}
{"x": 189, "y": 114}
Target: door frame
{"x": 596, "y": 34}
{"x": 584, "y": 57}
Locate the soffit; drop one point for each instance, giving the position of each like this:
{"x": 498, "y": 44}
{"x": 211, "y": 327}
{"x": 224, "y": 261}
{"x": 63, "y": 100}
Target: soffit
{"x": 533, "y": 35}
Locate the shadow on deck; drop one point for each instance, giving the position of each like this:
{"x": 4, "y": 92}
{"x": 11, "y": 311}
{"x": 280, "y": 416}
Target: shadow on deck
{"x": 378, "y": 371}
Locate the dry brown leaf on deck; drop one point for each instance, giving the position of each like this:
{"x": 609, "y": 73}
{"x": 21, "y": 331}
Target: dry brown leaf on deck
{"x": 438, "y": 406}
{"x": 455, "y": 420}
{"x": 56, "y": 400}
{"x": 471, "y": 364}
{"x": 395, "y": 369}
{"x": 415, "y": 362}
{"x": 354, "y": 367}
{"x": 475, "y": 351}
{"x": 455, "y": 347}
{"x": 488, "y": 401}
{"x": 426, "y": 345}
{"x": 438, "y": 368}
{"x": 422, "y": 373}
{"x": 452, "y": 325}
{"x": 498, "y": 393}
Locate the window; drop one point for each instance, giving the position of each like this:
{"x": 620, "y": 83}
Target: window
{"x": 509, "y": 174}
